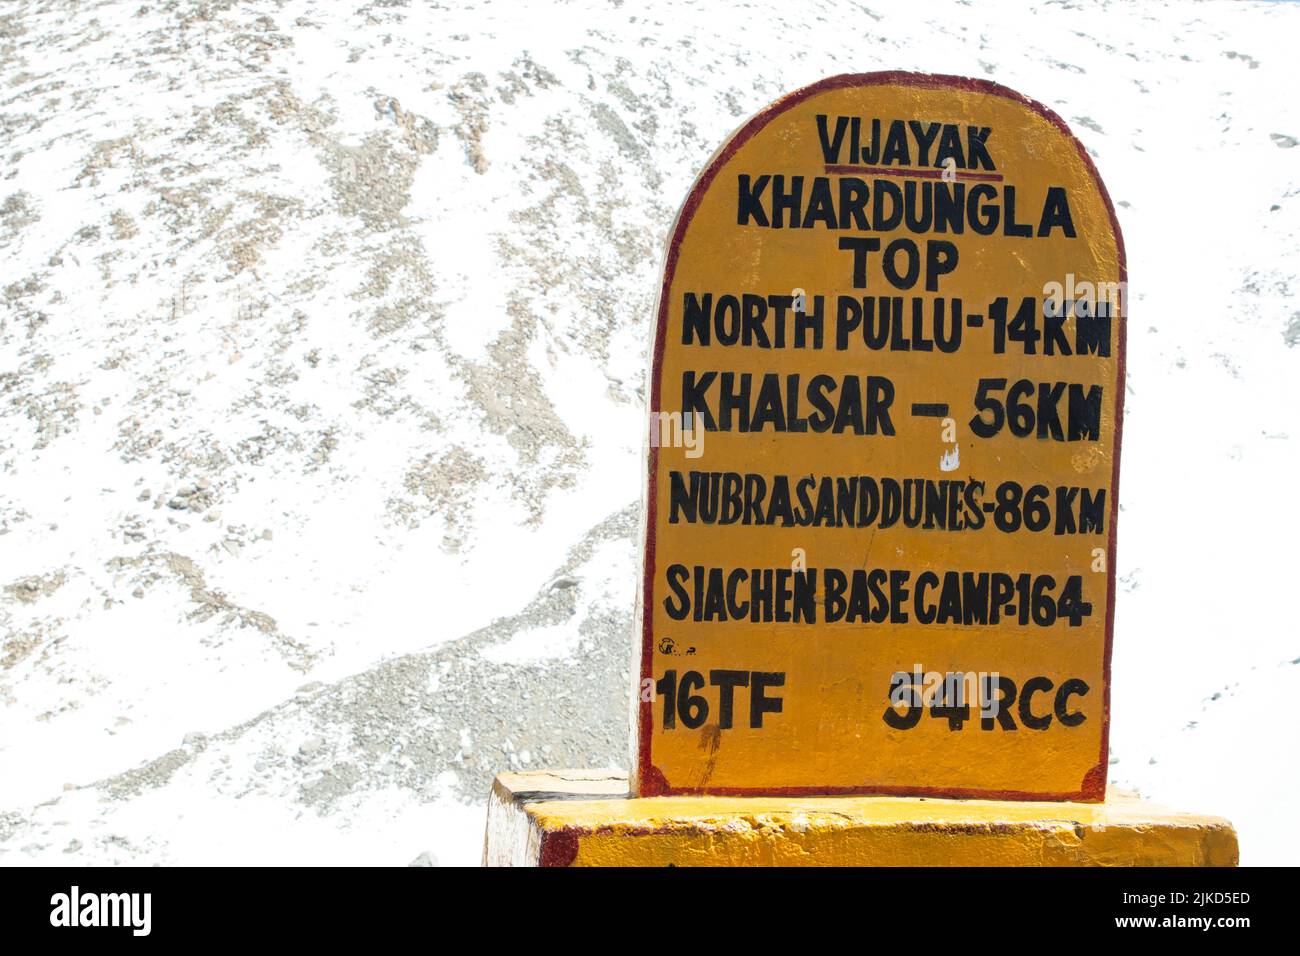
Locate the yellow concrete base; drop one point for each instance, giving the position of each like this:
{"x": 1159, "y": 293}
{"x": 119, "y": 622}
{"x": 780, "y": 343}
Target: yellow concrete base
{"x": 585, "y": 818}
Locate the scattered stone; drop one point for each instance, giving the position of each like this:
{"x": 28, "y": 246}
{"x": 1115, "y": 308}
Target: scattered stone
{"x": 312, "y": 745}
{"x": 31, "y": 589}
{"x": 424, "y": 859}
{"x": 1292, "y": 334}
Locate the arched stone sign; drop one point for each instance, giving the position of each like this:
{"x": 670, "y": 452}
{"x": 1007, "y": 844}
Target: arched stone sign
{"x": 880, "y": 545}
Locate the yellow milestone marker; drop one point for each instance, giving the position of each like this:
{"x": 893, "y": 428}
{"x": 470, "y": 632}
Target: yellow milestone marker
{"x": 875, "y": 620}
{"x": 887, "y": 565}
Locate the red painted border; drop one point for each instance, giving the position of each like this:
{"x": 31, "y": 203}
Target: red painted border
{"x": 559, "y": 848}
{"x": 650, "y": 781}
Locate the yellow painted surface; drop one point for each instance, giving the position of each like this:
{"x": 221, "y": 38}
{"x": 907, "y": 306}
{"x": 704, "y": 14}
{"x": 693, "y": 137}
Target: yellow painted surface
{"x": 871, "y": 831}
{"x": 830, "y": 732}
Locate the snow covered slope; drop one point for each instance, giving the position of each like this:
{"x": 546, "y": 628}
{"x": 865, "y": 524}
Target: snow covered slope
{"x": 322, "y": 342}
